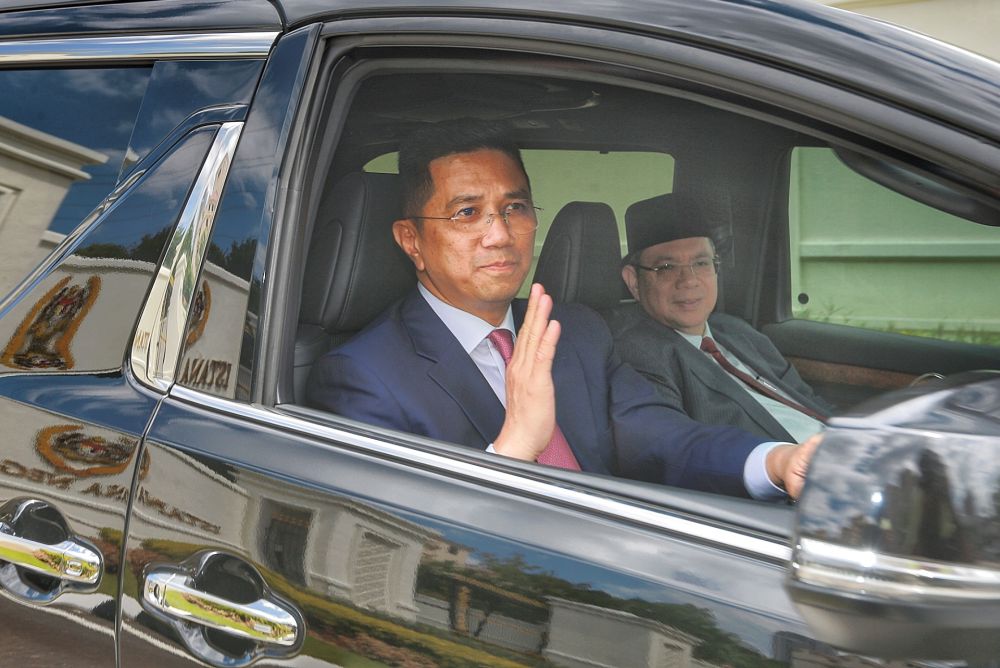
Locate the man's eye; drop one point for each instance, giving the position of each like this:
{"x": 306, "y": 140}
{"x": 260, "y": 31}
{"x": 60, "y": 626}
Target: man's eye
{"x": 468, "y": 213}
{"x": 517, "y": 207}
{"x": 667, "y": 267}
{"x": 702, "y": 264}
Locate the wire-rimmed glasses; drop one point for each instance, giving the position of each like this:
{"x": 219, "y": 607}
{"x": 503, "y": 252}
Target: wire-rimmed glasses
{"x": 670, "y": 271}
{"x": 473, "y": 222}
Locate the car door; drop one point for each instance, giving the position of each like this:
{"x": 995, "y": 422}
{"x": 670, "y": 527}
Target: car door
{"x": 103, "y": 140}
{"x": 266, "y": 530}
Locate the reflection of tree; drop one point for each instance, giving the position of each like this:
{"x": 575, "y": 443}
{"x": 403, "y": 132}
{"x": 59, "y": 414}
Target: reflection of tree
{"x": 238, "y": 260}
{"x": 941, "y": 534}
{"x": 147, "y": 249}
{"x": 512, "y": 587}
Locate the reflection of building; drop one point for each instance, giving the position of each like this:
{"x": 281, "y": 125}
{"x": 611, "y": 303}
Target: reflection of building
{"x": 799, "y": 651}
{"x": 36, "y": 170}
{"x": 453, "y": 553}
{"x": 583, "y": 635}
{"x": 350, "y": 551}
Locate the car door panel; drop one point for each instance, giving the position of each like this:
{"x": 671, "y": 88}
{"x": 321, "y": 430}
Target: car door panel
{"x": 75, "y": 420}
{"x": 848, "y": 364}
{"x": 367, "y": 545}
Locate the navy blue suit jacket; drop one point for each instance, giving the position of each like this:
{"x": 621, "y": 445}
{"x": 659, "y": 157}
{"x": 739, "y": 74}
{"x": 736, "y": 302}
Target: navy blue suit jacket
{"x": 407, "y": 371}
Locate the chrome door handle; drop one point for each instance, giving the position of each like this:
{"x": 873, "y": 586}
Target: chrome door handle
{"x": 36, "y": 541}
{"x": 212, "y": 593}
{"x": 172, "y": 593}
{"x": 67, "y": 560}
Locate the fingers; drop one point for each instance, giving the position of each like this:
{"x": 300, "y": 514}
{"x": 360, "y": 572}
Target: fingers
{"x": 536, "y": 330}
{"x": 798, "y": 465}
{"x": 530, "y": 417}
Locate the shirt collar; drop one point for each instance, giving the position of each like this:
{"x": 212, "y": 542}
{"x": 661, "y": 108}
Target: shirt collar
{"x": 695, "y": 339}
{"x": 467, "y": 328}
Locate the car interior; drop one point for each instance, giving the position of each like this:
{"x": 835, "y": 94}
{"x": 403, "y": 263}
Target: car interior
{"x": 600, "y": 147}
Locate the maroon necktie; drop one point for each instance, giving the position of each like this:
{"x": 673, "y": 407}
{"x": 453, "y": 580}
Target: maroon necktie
{"x": 557, "y": 452}
{"x": 708, "y": 345}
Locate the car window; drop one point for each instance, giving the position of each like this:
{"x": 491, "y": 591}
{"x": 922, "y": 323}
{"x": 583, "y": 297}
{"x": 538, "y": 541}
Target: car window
{"x": 79, "y": 315}
{"x": 593, "y": 150}
{"x": 601, "y": 150}
{"x": 866, "y": 256}
{"x": 57, "y": 163}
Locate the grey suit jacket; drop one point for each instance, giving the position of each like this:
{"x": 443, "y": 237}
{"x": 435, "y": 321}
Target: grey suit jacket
{"x": 687, "y": 378}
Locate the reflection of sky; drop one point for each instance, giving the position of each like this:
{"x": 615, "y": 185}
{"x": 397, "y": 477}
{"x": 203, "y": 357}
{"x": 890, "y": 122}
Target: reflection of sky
{"x": 851, "y": 466}
{"x": 98, "y": 108}
{"x": 92, "y": 108}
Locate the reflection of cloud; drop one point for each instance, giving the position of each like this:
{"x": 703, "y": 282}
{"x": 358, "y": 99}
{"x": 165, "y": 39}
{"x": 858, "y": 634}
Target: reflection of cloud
{"x": 114, "y": 154}
{"x": 107, "y": 83}
{"x": 860, "y": 478}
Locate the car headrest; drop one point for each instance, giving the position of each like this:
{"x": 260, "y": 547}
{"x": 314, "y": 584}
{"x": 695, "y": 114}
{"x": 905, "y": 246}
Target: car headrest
{"x": 354, "y": 269}
{"x": 580, "y": 258}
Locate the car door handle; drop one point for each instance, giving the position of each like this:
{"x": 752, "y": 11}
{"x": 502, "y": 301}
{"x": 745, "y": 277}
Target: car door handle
{"x": 67, "y": 560}
{"x": 173, "y": 594}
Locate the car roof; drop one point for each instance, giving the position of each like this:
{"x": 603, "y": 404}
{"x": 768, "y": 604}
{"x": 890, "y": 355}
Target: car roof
{"x": 829, "y": 44}
{"x": 835, "y": 46}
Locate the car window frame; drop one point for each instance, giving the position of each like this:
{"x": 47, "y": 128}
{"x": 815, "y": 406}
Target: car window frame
{"x": 339, "y": 429}
{"x": 731, "y": 78}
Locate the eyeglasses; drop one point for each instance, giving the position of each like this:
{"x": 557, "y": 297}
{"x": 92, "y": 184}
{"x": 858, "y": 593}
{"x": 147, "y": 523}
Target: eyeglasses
{"x": 473, "y": 222}
{"x": 670, "y": 271}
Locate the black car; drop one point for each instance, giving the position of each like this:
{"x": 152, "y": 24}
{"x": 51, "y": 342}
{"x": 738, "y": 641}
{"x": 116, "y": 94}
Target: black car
{"x": 195, "y": 200}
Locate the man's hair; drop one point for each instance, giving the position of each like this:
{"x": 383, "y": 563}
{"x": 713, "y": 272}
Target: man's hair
{"x": 438, "y": 140}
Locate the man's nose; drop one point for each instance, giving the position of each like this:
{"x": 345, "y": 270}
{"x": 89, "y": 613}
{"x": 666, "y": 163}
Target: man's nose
{"x": 497, "y": 231}
{"x": 686, "y": 274}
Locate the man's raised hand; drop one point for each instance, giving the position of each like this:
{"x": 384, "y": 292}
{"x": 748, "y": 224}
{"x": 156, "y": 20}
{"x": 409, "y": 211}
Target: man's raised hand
{"x": 531, "y": 399}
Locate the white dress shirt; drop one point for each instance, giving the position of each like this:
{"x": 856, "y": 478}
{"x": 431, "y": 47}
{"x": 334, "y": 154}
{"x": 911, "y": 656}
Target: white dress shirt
{"x": 795, "y": 422}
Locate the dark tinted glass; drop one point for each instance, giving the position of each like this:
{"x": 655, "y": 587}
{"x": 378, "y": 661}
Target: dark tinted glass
{"x": 81, "y": 314}
{"x": 64, "y": 135}
{"x": 177, "y": 88}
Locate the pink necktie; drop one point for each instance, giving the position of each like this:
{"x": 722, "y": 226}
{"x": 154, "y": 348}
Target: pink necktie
{"x": 708, "y": 345}
{"x": 557, "y": 452}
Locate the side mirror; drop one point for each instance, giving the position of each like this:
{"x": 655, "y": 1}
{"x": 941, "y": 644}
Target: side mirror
{"x": 897, "y": 540}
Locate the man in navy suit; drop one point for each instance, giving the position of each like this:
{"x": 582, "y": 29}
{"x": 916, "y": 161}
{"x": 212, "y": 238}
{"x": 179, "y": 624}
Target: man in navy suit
{"x": 433, "y": 363}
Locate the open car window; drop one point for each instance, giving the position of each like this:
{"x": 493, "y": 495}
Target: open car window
{"x": 586, "y": 138}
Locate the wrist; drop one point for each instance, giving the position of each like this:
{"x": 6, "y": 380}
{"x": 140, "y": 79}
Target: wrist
{"x": 776, "y": 463}
{"x": 508, "y": 447}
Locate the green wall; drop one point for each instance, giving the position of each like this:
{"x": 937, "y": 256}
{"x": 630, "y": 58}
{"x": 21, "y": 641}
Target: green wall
{"x": 869, "y": 257}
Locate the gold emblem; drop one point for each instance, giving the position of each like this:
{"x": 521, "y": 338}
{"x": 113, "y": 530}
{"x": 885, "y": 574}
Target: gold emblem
{"x": 69, "y": 449}
{"x": 200, "y": 308}
{"x": 43, "y": 339}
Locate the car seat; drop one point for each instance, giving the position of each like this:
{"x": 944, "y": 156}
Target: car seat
{"x": 354, "y": 269}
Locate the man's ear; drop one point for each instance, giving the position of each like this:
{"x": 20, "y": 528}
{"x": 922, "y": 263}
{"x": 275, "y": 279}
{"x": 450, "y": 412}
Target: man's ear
{"x": 404, "y": 231}
{"x": 631, "y": 278}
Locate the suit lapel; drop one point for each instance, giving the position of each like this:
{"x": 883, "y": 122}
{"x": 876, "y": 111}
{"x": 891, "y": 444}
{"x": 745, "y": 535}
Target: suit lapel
{"x": 715, "y": 377}
{"x": 452, "y": 368}
{"x": 736, "y": 341}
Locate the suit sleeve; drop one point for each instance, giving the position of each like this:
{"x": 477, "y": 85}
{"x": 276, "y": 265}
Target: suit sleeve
{"x": 340, "y": 384}
{"x": 656, "y": 441}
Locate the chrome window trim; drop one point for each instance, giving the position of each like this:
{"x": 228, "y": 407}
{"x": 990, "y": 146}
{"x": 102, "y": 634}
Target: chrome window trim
{"x": 159, "y": 336}
{"x": 136, "y": 47}
{"x": 512, "y": 482}
{"x": 866, "y": 571}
